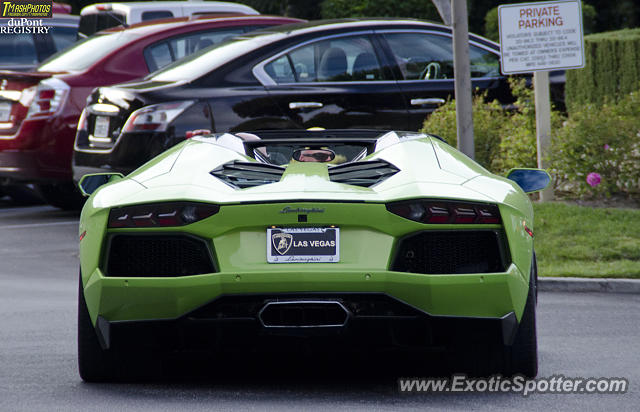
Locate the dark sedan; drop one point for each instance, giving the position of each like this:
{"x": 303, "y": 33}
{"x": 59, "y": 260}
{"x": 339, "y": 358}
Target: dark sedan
{"x": 387, "y": 74}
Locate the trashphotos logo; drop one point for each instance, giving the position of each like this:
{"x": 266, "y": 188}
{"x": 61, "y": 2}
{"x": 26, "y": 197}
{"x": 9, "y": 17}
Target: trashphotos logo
{"x": 26, "y": 8}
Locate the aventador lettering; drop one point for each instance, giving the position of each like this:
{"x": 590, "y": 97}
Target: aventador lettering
{"x": 289, "y": 209}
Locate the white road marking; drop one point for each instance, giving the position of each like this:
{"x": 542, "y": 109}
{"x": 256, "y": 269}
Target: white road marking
{"x": 30, "y": 225}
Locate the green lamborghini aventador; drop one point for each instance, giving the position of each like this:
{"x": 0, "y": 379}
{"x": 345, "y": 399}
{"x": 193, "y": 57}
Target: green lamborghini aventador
{"x": 394, "y": 239}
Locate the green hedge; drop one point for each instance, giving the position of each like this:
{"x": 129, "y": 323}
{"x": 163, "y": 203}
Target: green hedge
{"x": 611, "y": 72}
{"x": 417, "y": 9}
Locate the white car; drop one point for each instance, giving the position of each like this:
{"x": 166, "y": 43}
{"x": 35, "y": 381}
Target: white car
{"x": 102, "y": 16}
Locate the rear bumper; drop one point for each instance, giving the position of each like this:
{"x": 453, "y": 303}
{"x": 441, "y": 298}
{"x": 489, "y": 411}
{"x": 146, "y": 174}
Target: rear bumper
{"x": 131, "y": 151}
{"x": 374, "y": 320}
{"x": 187, "y": 311}
{"x": 40, "y": 151}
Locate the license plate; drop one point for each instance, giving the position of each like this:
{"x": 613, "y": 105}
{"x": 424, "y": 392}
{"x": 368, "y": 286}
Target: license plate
{"x": 303, "y": 245}
{"x": 5, "y": 111}
{"x": 101, "y": 129}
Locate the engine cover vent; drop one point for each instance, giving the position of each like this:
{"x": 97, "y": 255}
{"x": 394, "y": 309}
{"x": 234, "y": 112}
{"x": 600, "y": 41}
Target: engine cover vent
{"x": 364, "y": 174}
{"x": 241, "y": 175}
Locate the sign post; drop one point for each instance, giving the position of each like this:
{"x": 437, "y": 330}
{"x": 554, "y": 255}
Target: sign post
{"x": 462, "y": 75}
{"x": 539, "y": 37}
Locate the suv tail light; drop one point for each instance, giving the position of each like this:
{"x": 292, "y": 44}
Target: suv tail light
{"x": 155, "y": 118}
{"x": 49, "y": 97}
{"x": 446, "y": 212}
{"x": 160, "y": 214}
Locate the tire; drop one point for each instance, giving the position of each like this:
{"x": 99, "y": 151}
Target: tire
{"x": 65, "y": 196}
{"x": 94, "y": 363}
{"x": 23, "y": 194}
{"x": 482, "y": 359}
{"x": 522, "y": 357}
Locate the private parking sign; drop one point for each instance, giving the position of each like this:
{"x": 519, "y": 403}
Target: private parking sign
{"x": 544, "y": 35}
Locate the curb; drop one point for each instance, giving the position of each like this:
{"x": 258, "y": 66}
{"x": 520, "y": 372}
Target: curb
{"x": 602, "y": 285}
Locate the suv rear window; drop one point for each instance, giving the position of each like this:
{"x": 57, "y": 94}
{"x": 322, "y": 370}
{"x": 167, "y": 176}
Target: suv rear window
{"x": 157, "y": 14}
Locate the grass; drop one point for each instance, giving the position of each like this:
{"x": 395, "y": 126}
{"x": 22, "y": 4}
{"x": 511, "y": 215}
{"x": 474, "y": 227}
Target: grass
{"x": 587, "y": 242}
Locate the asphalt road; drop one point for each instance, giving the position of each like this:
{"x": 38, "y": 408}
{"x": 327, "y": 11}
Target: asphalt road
{"x": 580, "y": 335}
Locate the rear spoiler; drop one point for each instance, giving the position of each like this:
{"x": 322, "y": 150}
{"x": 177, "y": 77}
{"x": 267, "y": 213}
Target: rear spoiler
{"x": 36, "y": 76}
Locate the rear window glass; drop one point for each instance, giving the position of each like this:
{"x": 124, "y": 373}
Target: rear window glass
{"x": 86, "y": 52}
{"x": 158, "y": 14}
{"x": 63, "y": 37}
{"x": 206, "y": 60}
{"x": 17, "y": 49}
{"x": 161, "y": 54}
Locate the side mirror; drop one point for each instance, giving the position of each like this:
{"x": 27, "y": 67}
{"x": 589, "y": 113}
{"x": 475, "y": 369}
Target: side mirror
{"x": 530, "y": 180}
{"x": 90, "y": 183}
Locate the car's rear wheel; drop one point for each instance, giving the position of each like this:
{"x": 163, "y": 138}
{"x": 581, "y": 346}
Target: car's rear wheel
{"x": 65, "y": 196}
{"x": 94, "y": 363}
{"x": 23, "y": 194}
{"x": 522, "y": 356}
{"x": 485, "y": 359}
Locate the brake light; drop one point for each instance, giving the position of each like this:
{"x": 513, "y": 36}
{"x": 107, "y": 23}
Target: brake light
{"x": 446, "y": 212}
{"x": 49, "y": 97}
{"x": 155, "y": 118}
{"x": 160, "y": 214}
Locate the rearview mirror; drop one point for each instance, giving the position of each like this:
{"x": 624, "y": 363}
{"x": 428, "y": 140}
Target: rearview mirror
{"x": 530, "y": 180}
{"x": 90, "y": 183}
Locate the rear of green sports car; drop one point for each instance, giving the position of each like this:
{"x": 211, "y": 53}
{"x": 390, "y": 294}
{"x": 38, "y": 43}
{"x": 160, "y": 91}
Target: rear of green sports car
{"x": 411, "y": 244}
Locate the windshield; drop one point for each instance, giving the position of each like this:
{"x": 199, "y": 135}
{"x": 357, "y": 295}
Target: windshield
{"x": 282, "y": 154}
{"x": 206, "y": 60}
{"x": 83, "y": 54}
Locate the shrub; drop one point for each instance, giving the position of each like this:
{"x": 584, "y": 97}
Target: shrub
{"x": 503, "y": 139}
{"x": 603, "y": 140}
{"x": 491, "y": 30}
{"x": 487, "y": 118}
{"x": 612, "y": 69}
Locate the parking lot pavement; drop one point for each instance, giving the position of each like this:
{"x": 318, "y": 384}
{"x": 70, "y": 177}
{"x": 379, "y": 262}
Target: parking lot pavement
{"x": 580, "y": 335}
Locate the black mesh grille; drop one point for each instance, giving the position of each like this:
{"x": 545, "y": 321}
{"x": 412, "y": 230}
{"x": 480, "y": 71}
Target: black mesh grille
{"x": 248, "y": 174}
{"x": 362, "y": 173}
{"x": 450, "y": 252}
{"x": 168, "y": 255}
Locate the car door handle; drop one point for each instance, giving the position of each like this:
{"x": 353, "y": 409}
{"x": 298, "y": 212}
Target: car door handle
{"x": 420, "y": 102}
{"x": 305, "y": 105}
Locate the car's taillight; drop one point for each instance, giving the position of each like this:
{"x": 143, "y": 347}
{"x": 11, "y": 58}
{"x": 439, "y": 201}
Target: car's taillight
{"x": 49, "y": 97}
{"x": 155, "y": 118}
{"x": 160, "y": 214}
{"x": 446, "y": 212}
